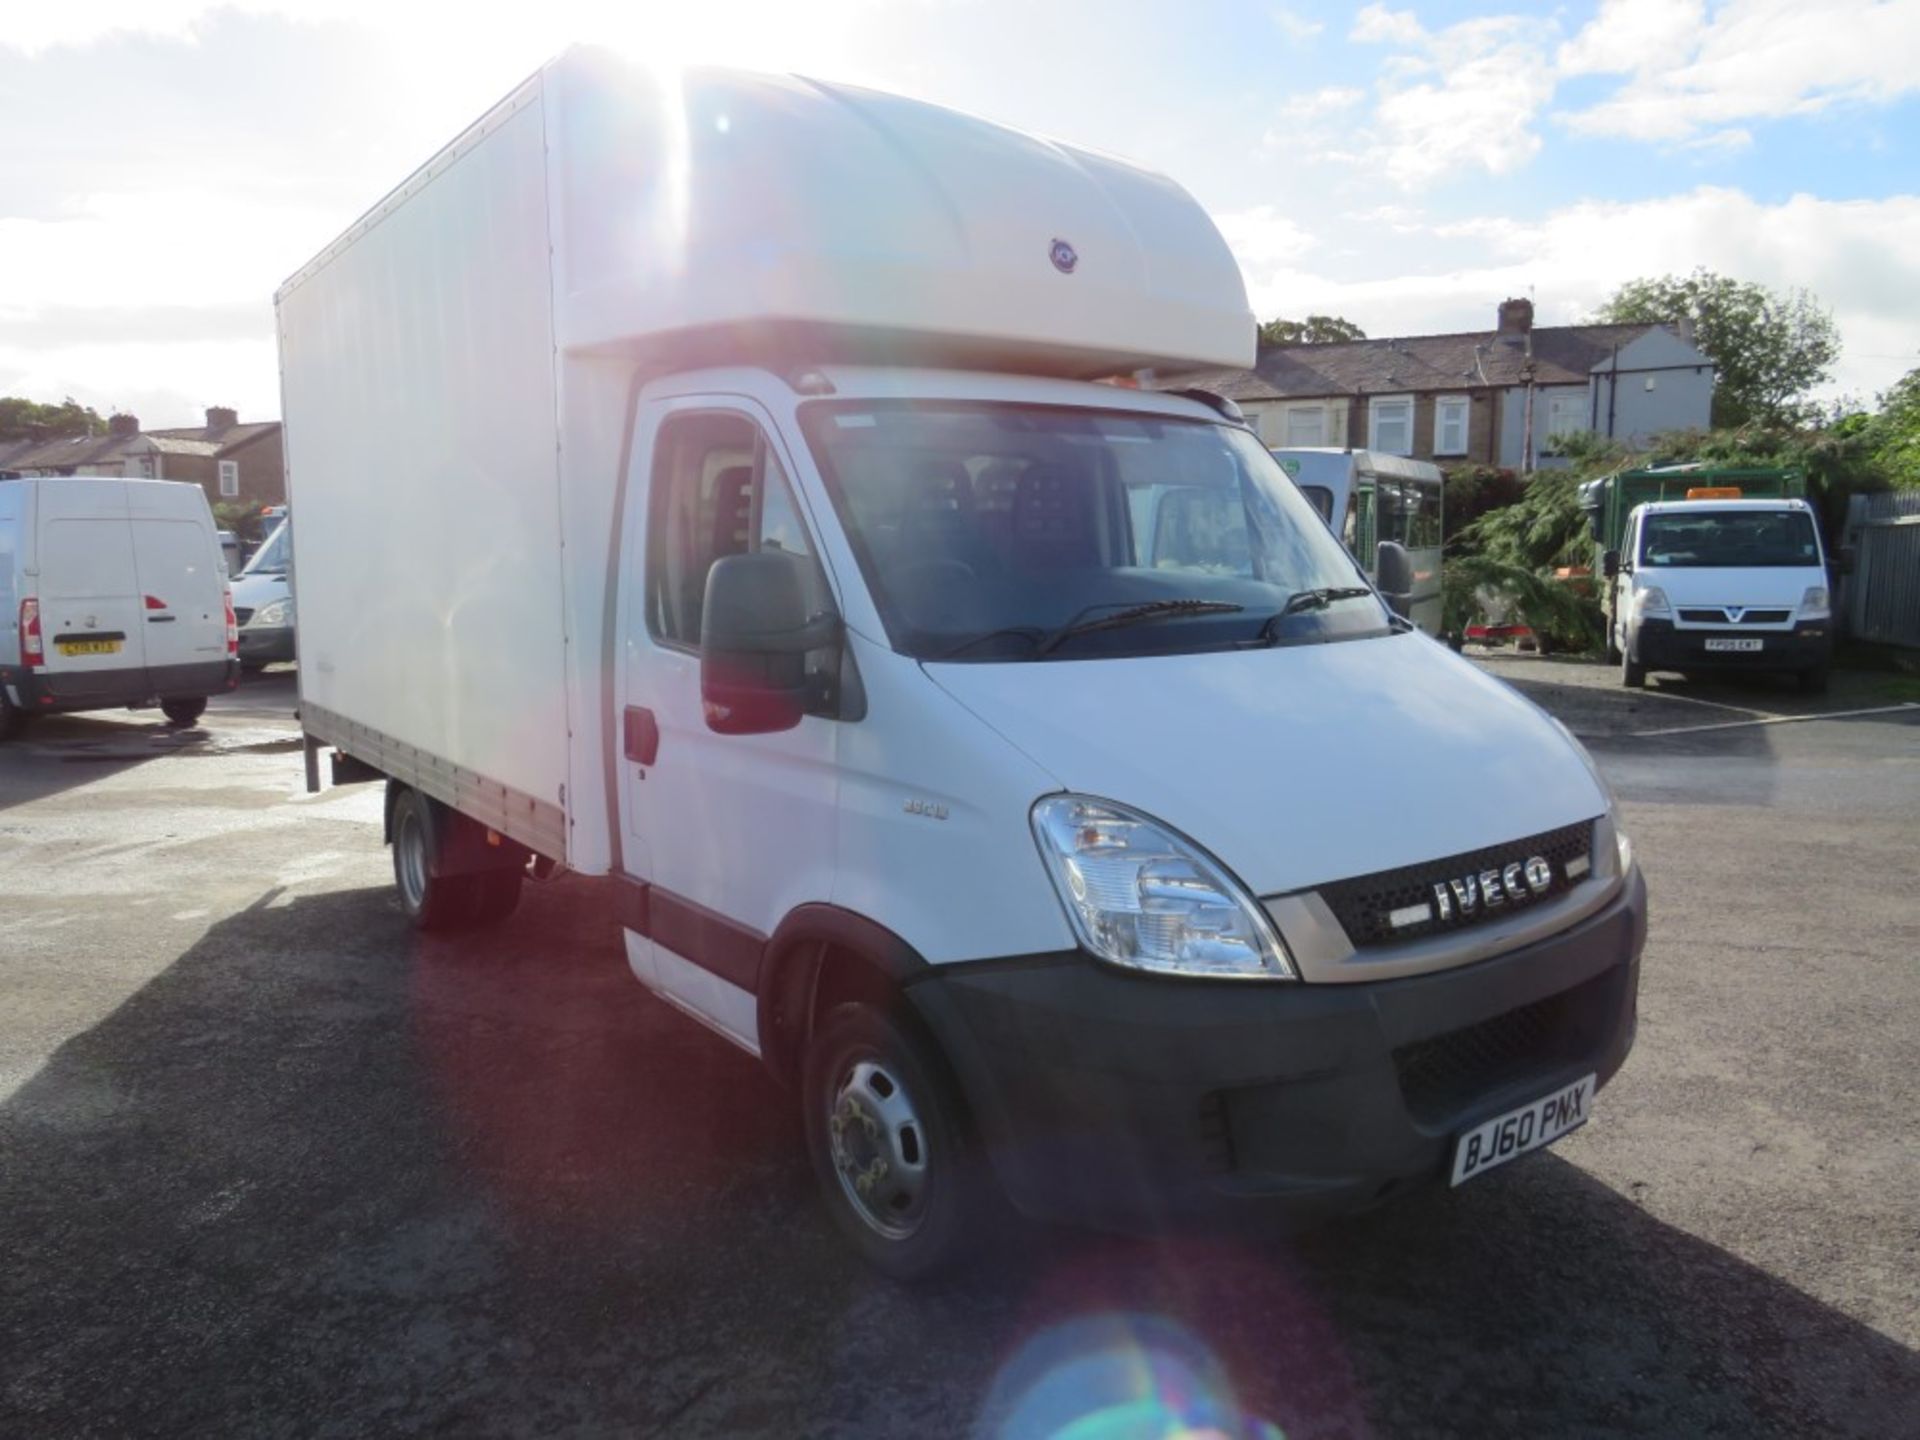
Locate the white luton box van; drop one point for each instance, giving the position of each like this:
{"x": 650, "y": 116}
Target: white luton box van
{"x": 754, "y": 537}
{"x": 112, "y": 593}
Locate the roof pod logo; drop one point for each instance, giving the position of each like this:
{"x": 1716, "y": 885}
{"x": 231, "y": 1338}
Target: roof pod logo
{"x": 1063, "y": 255}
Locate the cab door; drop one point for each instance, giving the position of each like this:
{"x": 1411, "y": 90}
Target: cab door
{"x": 728, "y": 832}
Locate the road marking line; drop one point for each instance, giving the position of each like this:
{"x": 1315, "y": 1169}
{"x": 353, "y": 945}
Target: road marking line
{"x": 1665, "y": 694}
{"x": 1776, "y": 720}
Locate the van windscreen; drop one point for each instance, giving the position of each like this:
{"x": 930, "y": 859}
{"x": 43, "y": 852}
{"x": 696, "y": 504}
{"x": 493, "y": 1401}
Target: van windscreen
{"x": 1729, "y": 539}
{"x": 984, "y": 530}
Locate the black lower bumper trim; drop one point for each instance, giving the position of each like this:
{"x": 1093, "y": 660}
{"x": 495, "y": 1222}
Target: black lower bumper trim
{"x": 38, "y": 691}
{"x": 1118, "y": 1099}
{"x": 1659, "y": 646}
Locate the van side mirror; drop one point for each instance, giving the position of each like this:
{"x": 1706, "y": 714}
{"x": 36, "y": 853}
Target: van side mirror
{"x": 755, "y": 632}
{"x": 1393, "y": 573}
{"x": 1846, "y": 560}
{"x": 1610, "y": 564}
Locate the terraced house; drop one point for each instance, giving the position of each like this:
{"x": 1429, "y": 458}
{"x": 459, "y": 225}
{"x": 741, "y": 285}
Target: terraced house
{"x": 1503, "y": 397}
{"x": 232, "y": 461}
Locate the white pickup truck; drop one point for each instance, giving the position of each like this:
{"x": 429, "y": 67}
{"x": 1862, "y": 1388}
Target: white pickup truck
{"x": 1720, "y": 584}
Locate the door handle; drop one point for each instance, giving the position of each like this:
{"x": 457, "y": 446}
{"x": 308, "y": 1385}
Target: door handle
{"x": 641, "y": 735}
{"x": 161, "y": 619}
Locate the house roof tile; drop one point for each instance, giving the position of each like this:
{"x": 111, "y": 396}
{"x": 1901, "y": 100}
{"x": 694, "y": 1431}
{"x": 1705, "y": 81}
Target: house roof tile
{"x": 1562, "y": 355}
{"x": 214, "y": 441}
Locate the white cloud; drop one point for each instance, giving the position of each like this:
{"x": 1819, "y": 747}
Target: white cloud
{"x": 1859, "y": 257}
{"x": 1751, "y": 59}
{"x": 1264, "y": 238}
{"x": 1377, "y": 25}
{"x": 1316, "y": 125}
{"x": 1629, "y": 35}
{"x": 1295, "y": 26}
{"x": 1462, "y": 98}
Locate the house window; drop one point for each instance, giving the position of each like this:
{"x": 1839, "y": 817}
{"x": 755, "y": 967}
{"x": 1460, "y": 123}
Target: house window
{"x": 1566, "y": 415}
{"x": 1390, "y": 424}
{"x": 1307, "y": 425}
{"x": 229, "y": 479}
{"x": 1450, "y": 425}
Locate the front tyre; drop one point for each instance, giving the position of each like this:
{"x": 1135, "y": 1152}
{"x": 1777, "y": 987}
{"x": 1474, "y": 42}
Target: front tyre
{"x": 1814, "y": 681}
{"x": 1633, "y": 674}
{"x": 888, "y": 1138}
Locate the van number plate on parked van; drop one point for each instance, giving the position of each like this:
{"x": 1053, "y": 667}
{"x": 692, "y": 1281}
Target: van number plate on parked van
{"x": 1518, "y": 1131}
{"x": 1731, "y": 644}
{"x": 89, "y": 647}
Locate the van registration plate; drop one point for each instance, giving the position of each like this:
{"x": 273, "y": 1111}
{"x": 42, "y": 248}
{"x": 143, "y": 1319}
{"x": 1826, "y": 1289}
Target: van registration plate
{"x": 1736, "y": 644}
{"x": 1518, "y": 1131}
{"x": 89, "y": 647}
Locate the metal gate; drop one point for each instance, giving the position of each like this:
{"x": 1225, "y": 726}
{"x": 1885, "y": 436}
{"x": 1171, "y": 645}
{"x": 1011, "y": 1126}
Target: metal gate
{"x": 1883, "y": 593}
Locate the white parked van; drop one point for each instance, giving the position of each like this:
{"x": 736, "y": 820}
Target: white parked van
{"x": 1720, "y": 584}
{"x": 112, "y": 593}
{"x": 788, "y": 572}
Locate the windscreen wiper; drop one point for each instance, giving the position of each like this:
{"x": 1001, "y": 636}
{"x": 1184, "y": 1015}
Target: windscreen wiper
{"x": 1085, "y": 624}
{"x": 1010, "y": 632}
{"x": 1317, "y": 599}
{"x": 1084, "y": 621}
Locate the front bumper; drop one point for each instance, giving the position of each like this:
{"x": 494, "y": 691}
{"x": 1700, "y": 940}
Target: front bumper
{"x": 39, "y": 692}
{"x": 1660, "y": 646}
{"x": 266, "y": 644}
{"x": 1125, "y": 1100}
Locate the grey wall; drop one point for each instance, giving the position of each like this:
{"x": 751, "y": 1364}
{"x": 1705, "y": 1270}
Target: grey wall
{"x": 1680, "y": 397}
{"x": 1513, "y": 419}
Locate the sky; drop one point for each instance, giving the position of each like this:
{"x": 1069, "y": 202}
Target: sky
{"x": 168, "y": 163}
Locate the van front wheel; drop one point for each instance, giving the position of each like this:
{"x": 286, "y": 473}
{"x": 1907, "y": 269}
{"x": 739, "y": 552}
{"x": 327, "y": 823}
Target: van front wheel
{"x": 887, "y": 1135}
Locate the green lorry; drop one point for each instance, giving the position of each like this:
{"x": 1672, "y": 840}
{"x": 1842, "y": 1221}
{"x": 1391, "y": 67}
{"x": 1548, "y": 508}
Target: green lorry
{"x": 1609, "y": 500}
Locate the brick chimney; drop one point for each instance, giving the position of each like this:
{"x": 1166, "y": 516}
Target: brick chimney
{"x": 219, "y": 418}
{"x": 123, "y": 427}
{"x": 1516, "y": 316}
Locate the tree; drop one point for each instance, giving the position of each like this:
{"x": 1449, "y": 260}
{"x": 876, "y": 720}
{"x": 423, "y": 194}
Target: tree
{"x": 1314, "y": 330}
{"x": 22, "y": 419}
{"x": 1769, "y": 347}
{"x": 1893, "y": 435}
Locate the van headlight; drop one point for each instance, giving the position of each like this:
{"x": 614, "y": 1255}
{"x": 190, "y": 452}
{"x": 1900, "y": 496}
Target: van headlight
{"x": 1143, "y": 897}
{"x": 273, "y": 613}
{"x": 1815, "y": 604}
{"x": 1653, "y": 601}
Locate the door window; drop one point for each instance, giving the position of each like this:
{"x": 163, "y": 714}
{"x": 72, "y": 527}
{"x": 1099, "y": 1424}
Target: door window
{"x": 717, "y": 491}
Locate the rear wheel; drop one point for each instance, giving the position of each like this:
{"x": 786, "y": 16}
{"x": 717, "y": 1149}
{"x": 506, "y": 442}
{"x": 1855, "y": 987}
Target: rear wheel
{"x": 12, "y": 718}
{"x": 887, "y": 1135}
{"x": 431, "y": 901}
{"x": 184, "y": 712}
